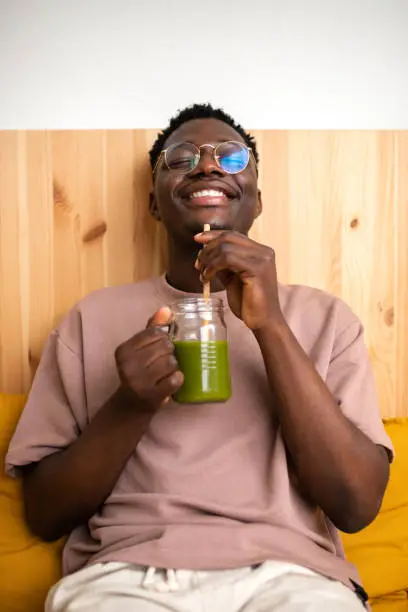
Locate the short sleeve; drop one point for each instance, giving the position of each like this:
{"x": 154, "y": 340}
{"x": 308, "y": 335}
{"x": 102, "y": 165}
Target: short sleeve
{"x": 351, "y": 382}
{"x": 55, "y": 412}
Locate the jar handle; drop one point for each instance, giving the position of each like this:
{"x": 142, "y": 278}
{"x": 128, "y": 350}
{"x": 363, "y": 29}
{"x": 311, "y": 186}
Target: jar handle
{"x": 170, "y": 328}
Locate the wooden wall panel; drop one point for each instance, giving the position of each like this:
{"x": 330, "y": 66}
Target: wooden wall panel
{"x": 74, "y": 217}
{"x": 13, "y": 308}
{"x": 400, "y": 316}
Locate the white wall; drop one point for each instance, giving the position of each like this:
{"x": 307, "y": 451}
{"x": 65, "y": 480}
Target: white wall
{"x": 271, "y": 63}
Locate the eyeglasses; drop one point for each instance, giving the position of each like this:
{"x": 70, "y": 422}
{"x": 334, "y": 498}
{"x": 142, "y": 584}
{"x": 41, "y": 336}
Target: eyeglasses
{"x": 231, "y": 156}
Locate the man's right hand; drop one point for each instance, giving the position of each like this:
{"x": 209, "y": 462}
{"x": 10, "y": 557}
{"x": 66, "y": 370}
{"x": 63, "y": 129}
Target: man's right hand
{"x": 147, "y": 365}
{"x": 65, "y": 489}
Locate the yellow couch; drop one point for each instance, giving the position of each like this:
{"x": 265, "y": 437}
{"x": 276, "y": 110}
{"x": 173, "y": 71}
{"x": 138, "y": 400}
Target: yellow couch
{"x": 29, "y": 567}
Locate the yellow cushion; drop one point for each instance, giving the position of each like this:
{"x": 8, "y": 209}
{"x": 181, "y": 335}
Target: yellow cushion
{"x": 28, "y": 567}
{"x": 391, "y": 603}
{"x": 380, "y": 551}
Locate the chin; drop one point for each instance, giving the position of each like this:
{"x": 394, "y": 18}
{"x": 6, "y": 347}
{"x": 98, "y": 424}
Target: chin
{"x": 195, "y": 227}
{"x": 218, "y": 225}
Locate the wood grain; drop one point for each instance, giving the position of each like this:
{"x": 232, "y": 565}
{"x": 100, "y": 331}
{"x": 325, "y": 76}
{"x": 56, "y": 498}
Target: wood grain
{"x": 74, "y": 216}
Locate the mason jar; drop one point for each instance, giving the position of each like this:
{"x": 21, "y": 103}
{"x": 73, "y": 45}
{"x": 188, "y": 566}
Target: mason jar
{"x": 199, "y": 334}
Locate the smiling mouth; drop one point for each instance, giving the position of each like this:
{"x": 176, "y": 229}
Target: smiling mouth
{"x": 208, "y": 197}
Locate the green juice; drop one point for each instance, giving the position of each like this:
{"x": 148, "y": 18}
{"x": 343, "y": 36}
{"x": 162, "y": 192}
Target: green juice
{"x": 205, "y": 366}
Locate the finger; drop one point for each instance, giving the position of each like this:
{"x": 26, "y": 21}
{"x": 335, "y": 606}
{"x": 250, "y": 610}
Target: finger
{"x": 228, "y": 261}
{"x": 168, "y": 386}
{"x": 156, "y": 350}
{"x": 206, "y": 238}
{"x": 224, "y": 248}
{"x": 161, "y": 317}
{"x": 225, "y": 240}
{"x": 148, "y": 337}
{"x": 221, "y": 238}
{"x": 161, "y": 367}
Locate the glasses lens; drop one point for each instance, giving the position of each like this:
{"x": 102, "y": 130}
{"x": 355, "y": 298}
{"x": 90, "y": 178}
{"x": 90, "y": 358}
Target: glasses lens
{"x": 182, "y": 157}
{"x": 233, "y": 157}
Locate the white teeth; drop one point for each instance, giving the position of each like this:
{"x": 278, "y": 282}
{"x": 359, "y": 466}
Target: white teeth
{"x": 207, "y": 193}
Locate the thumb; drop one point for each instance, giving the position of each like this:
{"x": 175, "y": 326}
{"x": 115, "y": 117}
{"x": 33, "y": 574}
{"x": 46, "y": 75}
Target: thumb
{"x": 161, "y": 317}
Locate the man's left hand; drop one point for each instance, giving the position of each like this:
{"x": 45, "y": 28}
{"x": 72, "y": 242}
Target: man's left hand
{"x": 248, "y": 272}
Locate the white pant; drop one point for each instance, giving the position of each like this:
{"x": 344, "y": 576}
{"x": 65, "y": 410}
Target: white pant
{"x": 271, "y": 586}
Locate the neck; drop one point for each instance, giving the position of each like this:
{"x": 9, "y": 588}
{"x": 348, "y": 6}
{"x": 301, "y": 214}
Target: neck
{"x": 181, "y": 273}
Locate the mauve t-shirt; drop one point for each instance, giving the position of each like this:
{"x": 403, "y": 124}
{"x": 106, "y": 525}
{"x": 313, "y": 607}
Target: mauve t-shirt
{"x": 209, "y": 486}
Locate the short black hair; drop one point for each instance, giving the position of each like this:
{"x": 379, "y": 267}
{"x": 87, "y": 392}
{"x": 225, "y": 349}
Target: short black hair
{"x": 199, "y": 111}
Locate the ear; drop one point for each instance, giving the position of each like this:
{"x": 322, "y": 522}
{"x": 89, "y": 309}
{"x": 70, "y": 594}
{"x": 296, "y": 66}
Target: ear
{"x": 259, "y": 205}
{"x": 153, "y": 208}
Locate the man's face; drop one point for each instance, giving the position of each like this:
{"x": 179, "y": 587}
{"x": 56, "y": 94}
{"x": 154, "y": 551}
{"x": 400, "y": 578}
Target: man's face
{"x": 178, "y": 198}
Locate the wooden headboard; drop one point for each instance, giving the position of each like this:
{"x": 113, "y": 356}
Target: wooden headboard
{"x": 74, "y": 217}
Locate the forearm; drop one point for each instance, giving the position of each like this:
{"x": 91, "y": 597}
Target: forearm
{"x": 65, "y": 489}
{"x": 338, "y": 467}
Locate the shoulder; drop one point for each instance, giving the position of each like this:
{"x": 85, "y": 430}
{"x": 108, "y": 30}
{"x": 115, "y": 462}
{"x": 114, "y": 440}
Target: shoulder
{"x": 109, "y": 307}
{"x": 312, "y": 307}
{"x": 111, "y": 297}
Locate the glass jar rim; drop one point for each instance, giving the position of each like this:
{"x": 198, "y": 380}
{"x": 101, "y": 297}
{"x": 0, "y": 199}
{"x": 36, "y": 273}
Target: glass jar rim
{"x": 197, "y": 304}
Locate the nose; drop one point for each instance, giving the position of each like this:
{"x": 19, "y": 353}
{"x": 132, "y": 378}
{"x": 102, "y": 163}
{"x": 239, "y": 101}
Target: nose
{"x": 207, "y": 164}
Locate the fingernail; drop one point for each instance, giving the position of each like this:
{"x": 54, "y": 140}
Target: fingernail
{"x": 197, "y": 264}
{"x": 197, "y": 235}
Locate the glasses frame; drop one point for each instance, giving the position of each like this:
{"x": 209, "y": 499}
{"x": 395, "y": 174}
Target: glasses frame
{"x": 163, "y": 154}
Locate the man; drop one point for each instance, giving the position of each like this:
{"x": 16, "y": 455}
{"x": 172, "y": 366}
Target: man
{"x": 218, "y": 507}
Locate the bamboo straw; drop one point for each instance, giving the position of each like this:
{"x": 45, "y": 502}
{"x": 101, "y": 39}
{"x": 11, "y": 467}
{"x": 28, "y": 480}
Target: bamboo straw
{"x": 206, "y": 296}
{"x": 206, "y": 285}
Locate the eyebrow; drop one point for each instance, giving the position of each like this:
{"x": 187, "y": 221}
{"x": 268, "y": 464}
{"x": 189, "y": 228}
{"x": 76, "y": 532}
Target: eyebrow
{"x": 214, "y": 141}
{"x": 194, "y": 143}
